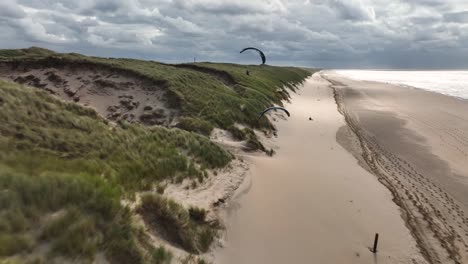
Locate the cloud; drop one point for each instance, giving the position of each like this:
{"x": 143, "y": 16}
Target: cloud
{"x": 233, "y": 7}
{"x": 9, "y": 9}
{"x": 325, "y": 33}
{"x": 457, "y": 17}
{"x": 353, "y": 9}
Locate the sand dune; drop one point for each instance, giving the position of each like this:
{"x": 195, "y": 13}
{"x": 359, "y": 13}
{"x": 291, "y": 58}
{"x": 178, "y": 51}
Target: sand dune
{"x": 114, "y": 95}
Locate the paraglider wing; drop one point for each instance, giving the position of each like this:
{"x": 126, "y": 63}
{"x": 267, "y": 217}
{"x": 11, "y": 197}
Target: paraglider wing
{"x": 262, "y": 55}
{"x": 274, "y": 108}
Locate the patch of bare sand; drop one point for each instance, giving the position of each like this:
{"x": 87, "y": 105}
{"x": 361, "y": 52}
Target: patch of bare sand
{"x": 114, "y": 95}
{"x": 212, "y": 194}
{"x": 312, "y": 202}
{"x": 416, "y": 143}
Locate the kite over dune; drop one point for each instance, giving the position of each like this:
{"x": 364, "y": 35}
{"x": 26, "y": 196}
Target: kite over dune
{"x": 262, "y": 55}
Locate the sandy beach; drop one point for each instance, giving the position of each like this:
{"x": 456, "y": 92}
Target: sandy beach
{"x": 416, "y": 143}
{"x": 313, "y": 202}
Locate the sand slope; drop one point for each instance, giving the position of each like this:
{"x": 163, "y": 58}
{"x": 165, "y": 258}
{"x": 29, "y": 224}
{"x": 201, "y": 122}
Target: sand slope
{"x": 312, "y": 202}
{"x": 417, "y": 144}
{"x": 114, "y": 95}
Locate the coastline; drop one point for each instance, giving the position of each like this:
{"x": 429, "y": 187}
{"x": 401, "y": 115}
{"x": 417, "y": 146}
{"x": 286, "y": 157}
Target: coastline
{"x": 409, "y": 140}
{"x": 307, "y": 202}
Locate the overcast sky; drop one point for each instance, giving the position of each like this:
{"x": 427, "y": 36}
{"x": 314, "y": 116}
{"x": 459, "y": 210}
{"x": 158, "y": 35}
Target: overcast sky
{"x": 323, "y": 33}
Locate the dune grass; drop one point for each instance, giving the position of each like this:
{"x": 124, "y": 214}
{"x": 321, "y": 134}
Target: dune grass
{"x": 184, "y": 228}
{"x": 25, "y": 53}
{"x": 200, "y": 94}
{"x": 64, "y": 170}
{"x": 162, "y": 256}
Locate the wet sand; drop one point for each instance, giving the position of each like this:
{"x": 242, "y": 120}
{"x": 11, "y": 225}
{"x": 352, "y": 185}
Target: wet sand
{"x": 416, "y": 142}
{"x": 312, "y": 202}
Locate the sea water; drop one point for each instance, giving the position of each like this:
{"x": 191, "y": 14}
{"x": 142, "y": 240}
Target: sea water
{"x": 452, "y": 83}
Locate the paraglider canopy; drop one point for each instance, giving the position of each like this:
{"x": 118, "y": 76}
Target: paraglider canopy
{"x": 262, "y": 55}
{"x": 274, "y": 108}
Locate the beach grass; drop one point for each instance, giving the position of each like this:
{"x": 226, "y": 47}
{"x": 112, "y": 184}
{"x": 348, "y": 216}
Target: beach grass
{"x": 178, "y": 225}
{"x": 65, "y": 170}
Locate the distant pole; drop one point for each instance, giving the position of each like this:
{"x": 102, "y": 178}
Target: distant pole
{"x": 376, "y": 241}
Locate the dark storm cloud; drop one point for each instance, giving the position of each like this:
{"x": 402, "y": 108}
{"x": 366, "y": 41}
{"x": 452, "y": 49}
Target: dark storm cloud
{"x": 327, "y": 33}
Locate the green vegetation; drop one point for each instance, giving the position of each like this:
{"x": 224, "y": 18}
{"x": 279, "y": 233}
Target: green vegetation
{"x": 64, "y": 170}
{"x": 63, "y": 136}
{"x": 177, "y": 224}
{"x": 162, "y": 256}
{"x": 221, "y": 94}
{"x": 197, "y": 214}
{"x": 252, "y": 142}
{"x": 77, "y": 214}
{"x": 191, "y": 259}
{"x": 196, "y": 125}
{"x": 25, "y": 53}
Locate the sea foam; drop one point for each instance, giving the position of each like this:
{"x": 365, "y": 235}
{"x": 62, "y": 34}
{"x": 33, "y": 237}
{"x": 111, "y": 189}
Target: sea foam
{"x": 452, "y": 83}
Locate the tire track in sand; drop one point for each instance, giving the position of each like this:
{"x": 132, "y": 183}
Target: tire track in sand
{"x": 434, "y": 218}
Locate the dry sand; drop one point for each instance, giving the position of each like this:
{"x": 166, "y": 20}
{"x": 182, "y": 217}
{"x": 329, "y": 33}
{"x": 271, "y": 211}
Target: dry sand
{"x": 114, "y": 95}
{"x": 312, "y": 202}
{"x": 416, "y": 142}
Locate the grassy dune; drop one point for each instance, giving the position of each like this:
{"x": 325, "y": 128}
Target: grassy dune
{"x": 64, "y": 170}
{"x": 200, "y": 95}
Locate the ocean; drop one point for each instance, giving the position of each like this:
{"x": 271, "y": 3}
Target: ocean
{"x": 452, "y": 83}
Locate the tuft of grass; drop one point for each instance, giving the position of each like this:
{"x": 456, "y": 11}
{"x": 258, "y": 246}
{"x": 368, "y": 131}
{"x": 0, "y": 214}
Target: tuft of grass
{"x": 252, "y": 141}
{"x": 11, "y": 244}
{"x": 191, "y": 259}
{"x": 195, "y": 125}
{"x": 237, "y": 133}
{"x": 160, "y": 188}
{"x": 197, "y": 214}
{"x": 161, "y": 256}
{"x": 176, "y": 224}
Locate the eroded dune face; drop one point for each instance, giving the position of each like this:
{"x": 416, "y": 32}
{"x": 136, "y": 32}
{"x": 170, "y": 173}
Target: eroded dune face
{"x": 114, "y": 94}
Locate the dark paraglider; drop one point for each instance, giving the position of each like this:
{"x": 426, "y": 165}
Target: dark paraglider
{"x": 274, "y": 108}
{"x": 262, "y": 55}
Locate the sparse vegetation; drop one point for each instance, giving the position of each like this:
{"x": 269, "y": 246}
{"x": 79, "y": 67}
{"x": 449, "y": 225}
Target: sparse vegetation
{"x": 178, "y": 225}
{"x": 191, "y": 259}
{"x": 237, "y": 133}
{"x": 162, "y": 256}
{"x": 197, "y": 214}
{"x": 247, "y": 134}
